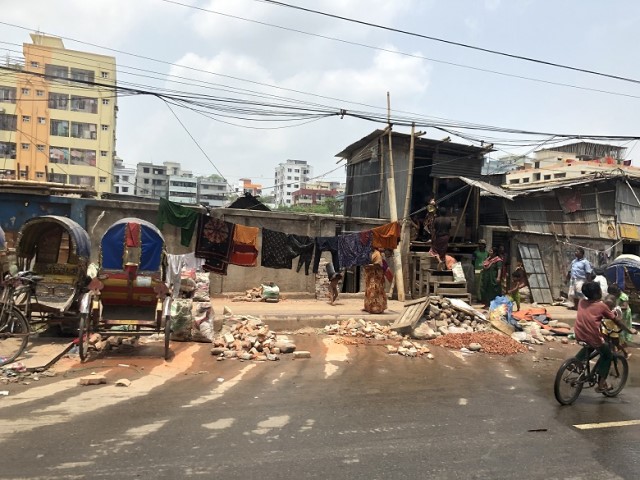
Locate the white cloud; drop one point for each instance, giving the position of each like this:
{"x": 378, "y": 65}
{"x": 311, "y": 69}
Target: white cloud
{"x": 491, "y": 4}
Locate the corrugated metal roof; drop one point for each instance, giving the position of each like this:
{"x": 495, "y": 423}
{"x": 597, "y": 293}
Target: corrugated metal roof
{"x": 487, "y": 187}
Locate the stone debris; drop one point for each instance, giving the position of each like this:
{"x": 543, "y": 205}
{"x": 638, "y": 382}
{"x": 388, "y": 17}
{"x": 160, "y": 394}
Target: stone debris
{"x": 92, "y": 380}
{"x": 301, "y": 354}
{"x": 248, "y": 338}
{"x": 362, "y": 329}
{"x": 442, "y": 317}
{"x": 123, "y": 382}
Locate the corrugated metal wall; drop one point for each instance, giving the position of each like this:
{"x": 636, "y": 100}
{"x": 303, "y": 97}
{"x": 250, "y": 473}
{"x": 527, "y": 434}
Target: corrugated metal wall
{"x": 457, "y": 165}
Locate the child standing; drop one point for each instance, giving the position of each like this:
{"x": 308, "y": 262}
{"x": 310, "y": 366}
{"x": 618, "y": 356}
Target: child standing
{"x": 613, "y": 328}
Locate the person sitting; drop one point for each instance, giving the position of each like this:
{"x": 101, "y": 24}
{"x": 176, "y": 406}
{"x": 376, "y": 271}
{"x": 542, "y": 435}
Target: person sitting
{"x": 591, "y": 312}
{"x": 612, "y": 328}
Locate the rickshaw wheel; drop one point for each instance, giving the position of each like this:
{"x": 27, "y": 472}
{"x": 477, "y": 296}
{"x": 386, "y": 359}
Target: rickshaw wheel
{"x": 167, "y": 336}
{"x": 83, "y": 337}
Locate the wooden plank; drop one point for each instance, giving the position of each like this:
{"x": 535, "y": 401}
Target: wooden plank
{"x": 417, "y": 300}
{"x": 450, "y": 291}
{"x": 410, "y": 316}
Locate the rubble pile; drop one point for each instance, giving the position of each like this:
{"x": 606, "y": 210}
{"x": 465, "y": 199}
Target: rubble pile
{"x": 17, "y": 372}
{"x": 487, "y": 342}
{"x": 354, "y": 332}
{"x": 247, "y": 338}
{"x": 361, "y": 329}
{"x": 443, "y": 318}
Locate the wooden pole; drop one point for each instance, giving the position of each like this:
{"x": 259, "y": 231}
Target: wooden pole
{"x": 405, "y": 239}
{"x": 464, "y": 210}
{"x": 393, "y": 207}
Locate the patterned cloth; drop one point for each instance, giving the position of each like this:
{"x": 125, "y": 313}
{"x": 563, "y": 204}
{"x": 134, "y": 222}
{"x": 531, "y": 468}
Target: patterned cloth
{"x": 355, "y": 249}
{"x": 300, "y": 245}
{"x": 215, "y": 238}
{"x": 326, "y": 244}
{"x": 375, "y": 298}
{"x": 275, "y": 252}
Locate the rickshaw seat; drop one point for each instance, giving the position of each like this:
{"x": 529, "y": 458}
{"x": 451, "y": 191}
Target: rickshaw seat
{"x": 58, "y": 285}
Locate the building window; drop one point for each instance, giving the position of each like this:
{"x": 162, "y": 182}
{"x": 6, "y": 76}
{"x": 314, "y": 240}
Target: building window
{"x": 547, "y": 177}
{"x": 289, "y": 170}
{"x": 81, "y": 75}
{"x": 105, "y": 128}
{"x": 103, "y": 153}
{"x": 296, "y": 186}
{"x": 83, "y": 180}
{"x": 42, "y": 120}
{"x": 83, "y": 157}
{"x": 40, "y": 148}
{"x": 35, "y": 65}
{"x": 103, "y": 179}
{"x": 39, "y": 174}
{"x": 25, "y": 146}
{"x": 125, "y": 178}
{"x": 288, "y": 178}
{"x": 105, "y": 101}
{"x": 56, "y": 71}
{"x": 59, "y": 155}
{"x": 25, "y": 91}
{"x": 146, "y": 181}
{"x": 8, "y": 122}
{"x": 559, "y": 175}
{"x": 84, "y": 104}
{"x": 7, "y": 94}
{"x": 125, "y": 189}
{"x": 145, "y": 170}
{"x": 59, "y": 128}
{"x": 525, "y": 180}
{"x": 26, "y": 119}
{"x": 39, "y": 93}
{"x": 84, "y": 130}
{"x": 58, "y": 101}
{"x": 104, "y": 74}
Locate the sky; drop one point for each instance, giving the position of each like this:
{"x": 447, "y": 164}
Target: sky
{"x": 216, "y": 47}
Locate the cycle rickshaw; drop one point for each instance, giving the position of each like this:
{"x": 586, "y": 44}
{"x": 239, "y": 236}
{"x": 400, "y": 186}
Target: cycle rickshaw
{"x": 45, "y": 286}
{"x": 129, "y": 297}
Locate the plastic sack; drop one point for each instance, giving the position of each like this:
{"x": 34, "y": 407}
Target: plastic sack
{"x": 270, "y": 292}
{"x": 181, "y": 320}
{"x": 458, "y": 272}
{"x": 202, "y": 327}
{"x": 505, "y": 307}
{"x": 201, "y": 293}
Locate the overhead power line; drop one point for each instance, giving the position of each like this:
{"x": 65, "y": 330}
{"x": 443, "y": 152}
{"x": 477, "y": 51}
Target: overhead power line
{"x": 450, "y": 42}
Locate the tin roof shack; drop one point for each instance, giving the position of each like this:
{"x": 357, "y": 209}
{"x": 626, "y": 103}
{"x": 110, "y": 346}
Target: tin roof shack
{"x": 600, "y": 214}
{"x": 438, "y": 166}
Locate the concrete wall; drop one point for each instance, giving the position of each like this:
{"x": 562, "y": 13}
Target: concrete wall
{"x": 96, "y": 216}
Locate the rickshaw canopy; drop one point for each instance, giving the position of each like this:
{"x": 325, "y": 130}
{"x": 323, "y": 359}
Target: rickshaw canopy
{"x": 48, "y": 228}
{"x": 615, "y": 271}
{"x": 132, "y": 233}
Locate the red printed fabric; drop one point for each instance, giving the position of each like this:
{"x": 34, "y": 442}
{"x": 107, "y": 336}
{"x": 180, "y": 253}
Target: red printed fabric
{"x": 386, "y": 236}
{"x": 132, "y": 235}
{"x": 244, "y": 252}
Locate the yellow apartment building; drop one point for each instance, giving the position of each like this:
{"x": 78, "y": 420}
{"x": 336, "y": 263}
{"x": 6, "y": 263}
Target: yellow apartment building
{"x": 58, "y": 116}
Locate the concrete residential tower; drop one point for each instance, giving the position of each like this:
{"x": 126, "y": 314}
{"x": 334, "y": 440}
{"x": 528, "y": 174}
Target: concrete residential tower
{"x": 290, "y": 177}
{"x": 58, "y": 115}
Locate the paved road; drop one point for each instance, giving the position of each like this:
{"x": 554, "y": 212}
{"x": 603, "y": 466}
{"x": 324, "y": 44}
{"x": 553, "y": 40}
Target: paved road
{"x": 348, "y": 412}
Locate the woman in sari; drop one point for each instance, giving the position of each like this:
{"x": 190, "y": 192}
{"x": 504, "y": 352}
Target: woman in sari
{"x": 375, "y": 297}
{"x": 490, "y": 277}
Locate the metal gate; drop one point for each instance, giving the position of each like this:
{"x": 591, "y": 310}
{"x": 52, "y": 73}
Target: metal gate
{"x": 536, "y": 274}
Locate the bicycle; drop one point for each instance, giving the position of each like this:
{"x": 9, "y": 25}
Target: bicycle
{"x": 574, "y": 374}
{"x": 19, "y": 289}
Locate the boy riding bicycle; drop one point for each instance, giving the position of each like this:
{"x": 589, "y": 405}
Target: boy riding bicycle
{"x": 591, "y": 312}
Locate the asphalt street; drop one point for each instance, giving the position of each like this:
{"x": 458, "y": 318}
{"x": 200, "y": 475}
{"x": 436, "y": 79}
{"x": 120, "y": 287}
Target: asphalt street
{"x": 350, "y": 411}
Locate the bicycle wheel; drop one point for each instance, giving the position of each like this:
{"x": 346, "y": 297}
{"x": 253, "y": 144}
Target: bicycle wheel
{"x": 83, "y": 336}
{"x": 568, "y": 383}
{"x": 618, "y": 374}
{"x": 14, "y": 335}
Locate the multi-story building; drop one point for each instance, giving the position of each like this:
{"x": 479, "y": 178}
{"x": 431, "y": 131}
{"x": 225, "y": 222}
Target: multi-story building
{"x": 290, "y": 176}
{"x": 151, "y": 180}
{"x": 183, "y": 188}
{"x": 58, "y": 115}
{"x": 569, "y": 161}
{"x": 212, "y": 192}
{"x": 124, "y": 178}
{"x": 312, "y": 196}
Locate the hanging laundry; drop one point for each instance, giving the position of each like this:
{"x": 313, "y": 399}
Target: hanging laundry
{"x": 354, "y": 249}
{"x": 302, "y": 246}
{"x": 183, "y": 217}
{"x": 386, "y": 236}
{"x": 326, "y": 244}
{"x": 275, "y": 253}
{"x": 214, "y": 242}
{"x": 244, "y": 252}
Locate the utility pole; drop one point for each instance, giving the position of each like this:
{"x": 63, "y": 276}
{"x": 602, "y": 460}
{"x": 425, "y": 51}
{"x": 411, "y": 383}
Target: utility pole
{"x": 391, "y": 189}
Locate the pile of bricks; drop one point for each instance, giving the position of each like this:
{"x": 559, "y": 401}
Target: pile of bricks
{"x": 248, "y": 338}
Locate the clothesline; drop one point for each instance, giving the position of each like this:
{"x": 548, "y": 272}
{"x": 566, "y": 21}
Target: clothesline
{"x": 222, "y": 243}
{"x": 607, "y": 250}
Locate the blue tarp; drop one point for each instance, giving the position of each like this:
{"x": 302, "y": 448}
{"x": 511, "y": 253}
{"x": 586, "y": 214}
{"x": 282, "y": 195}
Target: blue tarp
{"x": 112, "y": 246}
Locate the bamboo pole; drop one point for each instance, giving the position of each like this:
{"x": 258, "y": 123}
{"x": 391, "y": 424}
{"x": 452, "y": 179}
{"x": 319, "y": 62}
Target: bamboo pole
{"x": 405, "y": 239}
{"x": 393, "y": 207}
